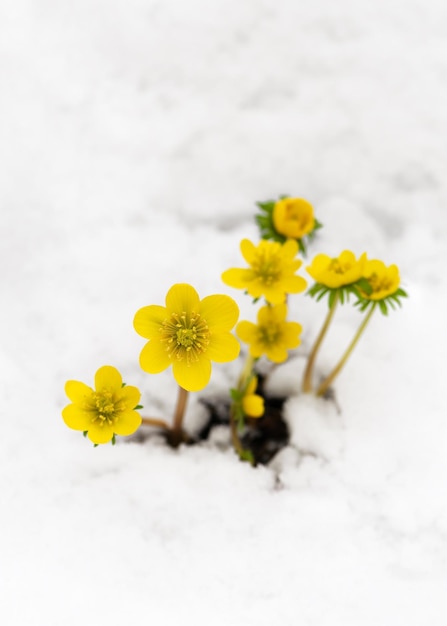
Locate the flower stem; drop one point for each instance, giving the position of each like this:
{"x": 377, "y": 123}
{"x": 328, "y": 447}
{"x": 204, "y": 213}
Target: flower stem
{"x": 177, "y": 428}
{"x": 242, "y": 382}
{"x": 152, "y": 421}
{"x": 307, "y": 378}
{"x": 337, "y": 369}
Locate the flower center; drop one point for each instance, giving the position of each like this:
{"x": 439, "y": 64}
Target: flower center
{"x": 105, "y": 408}
{"x": 337, "y": 268}
{"x": 267, "y": 267}
{"x": 379, "y": 283}
{"x": 293, "y": 214}
{"x": 269, "y": 335}
{"x": 186, "y": 337}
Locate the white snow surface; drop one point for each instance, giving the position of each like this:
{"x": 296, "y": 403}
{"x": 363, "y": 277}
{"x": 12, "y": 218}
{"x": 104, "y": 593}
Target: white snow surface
{"x": 135, "y": 138}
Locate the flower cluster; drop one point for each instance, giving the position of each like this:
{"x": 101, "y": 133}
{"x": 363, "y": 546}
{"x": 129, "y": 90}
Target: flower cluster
{"x": 188, "y": 333}
{"x": 368, "y": 280}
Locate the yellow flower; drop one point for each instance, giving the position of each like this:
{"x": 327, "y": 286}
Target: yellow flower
{"x": 107, "y": 410}
{"x": 252, "y": 403}
{"x": 271, "y": 273}
{"x": 293, "y": 217}
{"x": 384, "y": 281}
{"x": 188, "y": 334}
{"x": 272, "y": 335}
{"x": 337, "y": 272}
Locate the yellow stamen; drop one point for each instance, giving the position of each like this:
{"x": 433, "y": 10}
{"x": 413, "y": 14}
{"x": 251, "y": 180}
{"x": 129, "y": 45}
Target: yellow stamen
{"x": 186, "y": 337}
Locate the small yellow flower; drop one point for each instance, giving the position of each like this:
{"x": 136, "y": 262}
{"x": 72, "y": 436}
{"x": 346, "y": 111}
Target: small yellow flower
{"x": 252, "y": 403}
{"x": 106, "y": 411}
{"x": 188, "y": 334}
{"x": 383, "y": 280}
{"x": 271, "y": 273}
{"x": 272, "y": 335}
{"x": 337, "y": 272}
{"x": 293, "y": 217}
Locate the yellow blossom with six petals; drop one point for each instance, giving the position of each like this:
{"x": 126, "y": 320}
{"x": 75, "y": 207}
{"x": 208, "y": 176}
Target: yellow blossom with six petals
{"x": 188, "y": 333}
{"x": 272, "y": 335}
{"x": 293, "y": 217}
{"x": 334, "y": 272}
{"x": 383, "y": 280}
{"x": 105, "y": 411}
{"x": 271, "y": 273}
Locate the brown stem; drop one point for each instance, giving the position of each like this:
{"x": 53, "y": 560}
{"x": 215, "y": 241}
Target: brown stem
{"x": 327, "y": 381}
{"x": 153, "y": 421}
{"x": 307, "y": 378}
{"x": 177, "y": 428}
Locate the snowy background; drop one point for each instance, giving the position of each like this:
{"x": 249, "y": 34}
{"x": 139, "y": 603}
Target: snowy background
{"x": 135, "y": 137}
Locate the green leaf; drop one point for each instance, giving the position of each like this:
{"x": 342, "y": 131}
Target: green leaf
{"x": 85, "y": 433}
{"x": 383, "y": 307}
{"x": 322, "y": 294}
{"x": 332, "y": 298}
{"x": 235, "y": 395}
{"x": 247, "y": 455}
{"x": 138, "y": 407}
{"x": 113, "y": 439}
{"x": 123, "y": 385}
{"x": 364, "y": 286}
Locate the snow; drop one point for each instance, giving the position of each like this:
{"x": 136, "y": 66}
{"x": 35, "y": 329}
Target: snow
{"x": 135, "y": 138}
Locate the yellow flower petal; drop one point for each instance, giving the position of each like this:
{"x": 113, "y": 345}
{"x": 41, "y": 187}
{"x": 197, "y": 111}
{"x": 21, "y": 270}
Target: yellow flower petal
{"x": 294, "y": 284}
{"x": 291, "y": 334}
{"x": 100, "y": 433}
{"x": 290, "y": 249}
{"x": 78, "y": 392}
{"x": 274, "y": 295}
{"x": 276, "y": 353}
{"x": 193, "y": 377}
{"x": 223, "y": 347}
{"x": 130, "y": 396}
{"x": 246, "y": 331}
{"x": 76, "y": 418}
{"x": 248, "y": 250}
{"x": 237, "y": 278}
{"x": 253, "y": 405}
{"x": 148, "y": 320}
{"x": 108, "y": 377}
{"x": 220, "y": 312}
{"x": 182, "y": 298}
{"x": 154, "y": 357}
{"x": 127, "y": 424}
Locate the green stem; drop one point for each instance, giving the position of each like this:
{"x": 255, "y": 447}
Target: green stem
{"x": 337, "y": 369}
{"x": 245, "y": 375}
{"x": 177, "y": 428}
{"x": 307, "y": 378}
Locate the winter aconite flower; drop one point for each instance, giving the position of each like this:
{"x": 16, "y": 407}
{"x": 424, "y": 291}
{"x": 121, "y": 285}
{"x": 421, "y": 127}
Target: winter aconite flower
{"x": 272, "y": 335}
{"x": 293, "y": 217}
{"x": 271, "y": 271}
{"x": 382, "y": 280}
{"x": 188, "y": 333}
{"x": 105, "y": 411}
{"x": 252, "y": 403}
{"x": 337, "y": 272}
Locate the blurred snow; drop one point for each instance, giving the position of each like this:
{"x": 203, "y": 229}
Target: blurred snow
{"x": 135, "y": 138}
